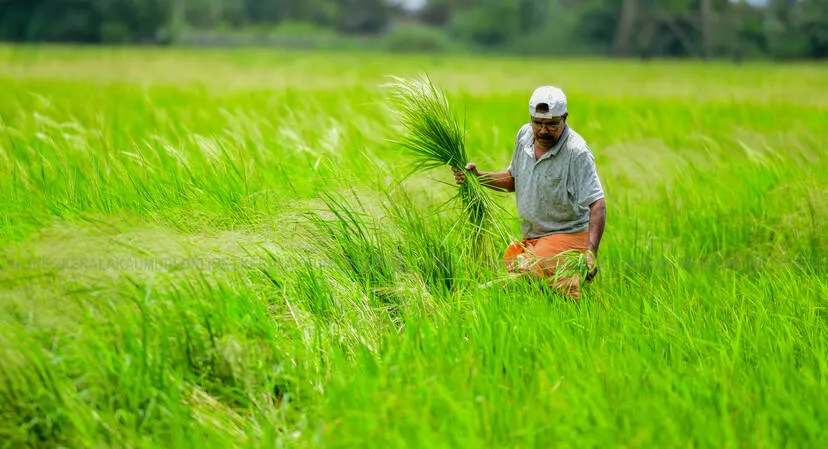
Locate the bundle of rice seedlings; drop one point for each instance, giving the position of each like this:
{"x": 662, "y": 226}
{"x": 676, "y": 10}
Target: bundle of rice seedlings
{"x": 434, "y": 137}
{"x": 568, "y": 264}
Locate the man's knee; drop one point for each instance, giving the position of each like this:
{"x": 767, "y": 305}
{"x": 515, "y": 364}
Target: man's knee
{"x": 515, "y": 256}
{"x": 569, "y": 286}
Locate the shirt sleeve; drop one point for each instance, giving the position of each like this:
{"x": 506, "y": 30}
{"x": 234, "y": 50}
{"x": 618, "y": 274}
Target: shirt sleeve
{"x": 588, "y": 188}
{"x": 511, "y": 164}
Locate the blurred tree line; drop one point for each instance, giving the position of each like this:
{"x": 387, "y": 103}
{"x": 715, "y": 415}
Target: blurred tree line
{"x": 779, "y": 29}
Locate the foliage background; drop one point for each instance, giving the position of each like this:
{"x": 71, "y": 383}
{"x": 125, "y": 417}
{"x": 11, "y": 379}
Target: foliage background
{"x": 779, "y": 29}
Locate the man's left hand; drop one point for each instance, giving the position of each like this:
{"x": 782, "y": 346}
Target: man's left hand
{"x": 593, "y": 268}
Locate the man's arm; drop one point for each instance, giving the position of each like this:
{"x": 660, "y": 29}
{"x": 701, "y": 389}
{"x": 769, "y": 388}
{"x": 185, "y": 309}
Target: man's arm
{"x": 497, "y": 180}
{"x": 597, "y": 220}
{"x": 502, "y": 181}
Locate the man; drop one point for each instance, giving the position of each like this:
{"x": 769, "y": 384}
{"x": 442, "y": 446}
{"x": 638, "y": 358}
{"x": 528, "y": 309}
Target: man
{"x": 559, "y": 195}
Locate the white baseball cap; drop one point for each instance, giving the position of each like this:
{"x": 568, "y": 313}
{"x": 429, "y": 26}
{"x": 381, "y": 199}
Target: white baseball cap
{"x": 551, "y": 96}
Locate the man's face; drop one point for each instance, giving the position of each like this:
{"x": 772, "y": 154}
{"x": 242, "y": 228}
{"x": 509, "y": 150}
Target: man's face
{"x": 548, "y": 130}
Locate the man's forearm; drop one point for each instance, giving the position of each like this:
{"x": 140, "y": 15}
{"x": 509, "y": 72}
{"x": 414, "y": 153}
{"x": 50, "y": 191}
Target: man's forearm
{"x": 498, "y": 180}
{"x": 597, "y": 220}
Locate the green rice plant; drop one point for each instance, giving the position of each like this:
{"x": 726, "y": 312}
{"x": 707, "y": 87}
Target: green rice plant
{"x": 424, "y": 245}
{"x": 314, "y": 291}
{"x": 571, "y": 263}
{"x": 434, "y": 137}
{"x": 348, "y": 240}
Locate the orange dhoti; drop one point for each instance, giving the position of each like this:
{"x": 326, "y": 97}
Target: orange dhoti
{"x": 542, "y": 257}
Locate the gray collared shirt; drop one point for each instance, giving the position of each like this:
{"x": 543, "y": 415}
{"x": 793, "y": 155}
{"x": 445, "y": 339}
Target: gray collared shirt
{"x": 554, "y": 192}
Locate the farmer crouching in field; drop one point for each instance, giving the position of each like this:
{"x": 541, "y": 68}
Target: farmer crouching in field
{"x": 559, "y": 196}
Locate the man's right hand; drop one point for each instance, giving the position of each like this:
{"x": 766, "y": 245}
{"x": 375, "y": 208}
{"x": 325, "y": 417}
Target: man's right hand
{"x": 460, "y": 177}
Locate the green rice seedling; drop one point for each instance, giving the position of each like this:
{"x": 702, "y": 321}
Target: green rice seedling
{"x": 34, "y": 401}
{"x": 347, "y": 238}
{"x": 314, "y": 291}
{"x": 425, "y": 245}
{"x": 434, "y": 137}
{"x": 571, "y": 263}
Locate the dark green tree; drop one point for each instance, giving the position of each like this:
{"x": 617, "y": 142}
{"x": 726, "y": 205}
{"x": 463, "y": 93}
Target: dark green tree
{"x": 363, "y": 16}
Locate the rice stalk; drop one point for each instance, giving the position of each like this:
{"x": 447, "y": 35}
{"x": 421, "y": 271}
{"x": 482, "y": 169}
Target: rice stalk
{"x": 434, "y": 137}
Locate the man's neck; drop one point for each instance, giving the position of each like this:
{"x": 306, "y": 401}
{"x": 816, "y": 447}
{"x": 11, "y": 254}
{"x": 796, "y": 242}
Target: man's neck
{"x": 541, "y": 149}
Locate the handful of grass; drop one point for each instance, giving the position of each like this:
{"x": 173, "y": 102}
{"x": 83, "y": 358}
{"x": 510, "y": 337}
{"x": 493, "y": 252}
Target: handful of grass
{"x": 434, "y": 138}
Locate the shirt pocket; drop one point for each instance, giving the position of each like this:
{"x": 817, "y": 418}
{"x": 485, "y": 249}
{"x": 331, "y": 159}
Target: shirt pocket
{"x": 551, "y": 192}
{"x": 557, "y": 201}
{"x": 555, "y": 185}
